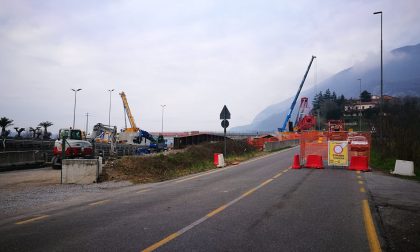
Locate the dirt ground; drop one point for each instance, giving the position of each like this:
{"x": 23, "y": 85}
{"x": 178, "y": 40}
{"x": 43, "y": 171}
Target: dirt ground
{"x": 33, "y": 177}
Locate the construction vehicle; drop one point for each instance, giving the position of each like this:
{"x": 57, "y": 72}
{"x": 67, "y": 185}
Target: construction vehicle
{"x": 75, "y": 146}
{"x": 129, "y": 135}
{"x": 105, "y": 134}
{"x": 292, "y": 106}
{"x": 304, "y": 120}
{"x": 134, "y": 135}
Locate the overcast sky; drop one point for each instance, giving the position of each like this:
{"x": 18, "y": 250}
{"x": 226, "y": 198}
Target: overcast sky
{"x": 192, "y": 56}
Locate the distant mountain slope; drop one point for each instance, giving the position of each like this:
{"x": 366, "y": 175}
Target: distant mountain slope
{"x": 401, "y": 77}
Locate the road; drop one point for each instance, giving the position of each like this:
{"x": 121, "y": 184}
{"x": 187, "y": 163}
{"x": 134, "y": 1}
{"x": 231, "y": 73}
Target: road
{"x": 260, "y": 205}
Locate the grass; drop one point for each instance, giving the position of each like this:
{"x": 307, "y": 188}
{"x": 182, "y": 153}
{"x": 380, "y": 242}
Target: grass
{"x": 387, "y": 164}
{"x": 195, "y": 159}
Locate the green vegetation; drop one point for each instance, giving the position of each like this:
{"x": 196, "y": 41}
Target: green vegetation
{"x": 198, "y": 158}
{"x": 401, "y": 133}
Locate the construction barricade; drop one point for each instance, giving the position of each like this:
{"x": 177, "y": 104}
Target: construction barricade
{"x": 336, "y": 149}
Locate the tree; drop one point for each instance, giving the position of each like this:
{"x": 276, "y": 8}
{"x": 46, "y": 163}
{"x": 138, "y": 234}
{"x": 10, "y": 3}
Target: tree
{"x": 365, "y": 96}
{"x": 33, "y": 131}
{"x": 19, "y": 131}
{"x": 45, "y": 124}
{"x": 4, "y": 123}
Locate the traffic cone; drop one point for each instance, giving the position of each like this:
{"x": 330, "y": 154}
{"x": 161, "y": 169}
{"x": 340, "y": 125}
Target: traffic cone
{"x": 296, "y": 162}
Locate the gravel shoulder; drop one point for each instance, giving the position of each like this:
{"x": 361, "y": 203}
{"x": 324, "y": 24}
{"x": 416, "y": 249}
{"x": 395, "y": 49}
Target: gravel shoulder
{"x": 28, "y": 191}
{"x": 397, "y": 204}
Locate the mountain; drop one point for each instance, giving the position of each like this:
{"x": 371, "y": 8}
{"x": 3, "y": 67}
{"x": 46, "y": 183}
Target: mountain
{"x": 401, "y": 78}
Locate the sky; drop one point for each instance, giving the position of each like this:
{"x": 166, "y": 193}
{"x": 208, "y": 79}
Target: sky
{"x": 192, "y": 56}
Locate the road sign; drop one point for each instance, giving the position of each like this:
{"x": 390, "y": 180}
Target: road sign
{"x": 225, "y": 114}
{"x": 338, "y": 153}
{"x": 225, "y": 124}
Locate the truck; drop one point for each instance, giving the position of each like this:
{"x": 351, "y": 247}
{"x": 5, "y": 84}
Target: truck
{"x": 76, "y": 146}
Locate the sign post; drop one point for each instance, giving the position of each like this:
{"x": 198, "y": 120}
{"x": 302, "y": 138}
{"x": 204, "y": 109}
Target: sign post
{"x": 224, "y": 116}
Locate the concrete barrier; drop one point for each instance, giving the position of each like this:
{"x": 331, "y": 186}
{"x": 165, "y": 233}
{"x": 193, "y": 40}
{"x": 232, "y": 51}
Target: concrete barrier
{"x": 81, "y": 171}
{"x": 273, "y": 146}
{"x": 19, "y": 158}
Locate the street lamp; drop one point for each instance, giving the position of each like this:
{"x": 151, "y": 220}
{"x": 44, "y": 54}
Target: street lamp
{"x": 74, "y": 110}
{"x": 109, "y": 112}
{"x": 382, "y": 81}
{"x": 163, "y": 108}
{"x": 360, "y": 102}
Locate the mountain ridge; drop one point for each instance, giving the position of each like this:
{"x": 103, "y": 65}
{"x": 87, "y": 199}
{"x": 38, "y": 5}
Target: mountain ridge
{"x": 401, "y": 78}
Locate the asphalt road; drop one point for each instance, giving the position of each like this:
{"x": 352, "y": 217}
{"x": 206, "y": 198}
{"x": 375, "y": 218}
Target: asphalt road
{"x": 260, "y": 205}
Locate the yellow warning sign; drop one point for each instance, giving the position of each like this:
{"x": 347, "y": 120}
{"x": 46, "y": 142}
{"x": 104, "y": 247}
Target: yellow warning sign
{"x": 338, "y": 153}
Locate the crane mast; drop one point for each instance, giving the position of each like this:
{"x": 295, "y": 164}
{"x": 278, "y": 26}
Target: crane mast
{"x": 292, "y": 106}
{"x": 134, "y": 127}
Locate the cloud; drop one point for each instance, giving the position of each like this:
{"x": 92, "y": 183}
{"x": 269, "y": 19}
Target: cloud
{"x": 194, "y": 56}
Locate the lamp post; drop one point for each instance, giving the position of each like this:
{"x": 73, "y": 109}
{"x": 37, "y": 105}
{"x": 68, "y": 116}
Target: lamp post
{"x": 74, "y": 110}
{"x": 109, "y": 112}
{"x": 163, "y": 108}
{"x": 360, "y": 103}
{"x": 382, "y": 81}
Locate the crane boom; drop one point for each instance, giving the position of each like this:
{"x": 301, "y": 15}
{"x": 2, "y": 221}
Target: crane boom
{"x": 289, "y": 114}
{"x": 134, "y": 127}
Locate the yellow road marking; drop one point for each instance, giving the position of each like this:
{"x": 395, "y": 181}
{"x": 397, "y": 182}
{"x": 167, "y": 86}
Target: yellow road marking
{"x": 98, "y": 202}
{"x": 278, "y": 175}
{"x": 206, "y": 217}
{"x": 162, "y": 242}
{"x": 362, "y": 189}
{"x": 370, "y": 228}
{"x": 360, "y": 182}
{"x": 32, "y": 219}
{"x": 218, "y": 210}
{"x": 144, "y": 190}
{"x": 359, "y": 177}
{"x": 196, "y": 176}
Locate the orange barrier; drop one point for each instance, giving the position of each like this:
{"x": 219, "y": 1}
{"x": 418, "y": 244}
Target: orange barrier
{"x": 359, "y": 163}
{"x": 258, "y": 142}
{"x": 314, "y": 161}
{"x": 316, "y": 143}
{"x": 296, "y": 162}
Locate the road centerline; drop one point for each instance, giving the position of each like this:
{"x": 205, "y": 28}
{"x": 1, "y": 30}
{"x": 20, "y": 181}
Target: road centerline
{"x": 31, "y": 220}
{"x": 206, "y": 217}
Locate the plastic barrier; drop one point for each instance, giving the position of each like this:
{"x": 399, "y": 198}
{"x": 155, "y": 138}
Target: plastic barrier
{"x": 359, "y": 163}
{"x": 218, "y": 160}
{"x": 314, "y": 161}
{"x": 403, "y": 167}
{"x": 296, "y": 162}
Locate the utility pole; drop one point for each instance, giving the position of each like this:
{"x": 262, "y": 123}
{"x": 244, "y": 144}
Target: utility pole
{"x": 382, "y": 85}
{"x": 87, "y": 123}
{"x": 360, "y": 103}
{"x": 109, "y": 112}
{"x": 163, "y": 108}
{"x": 74, "y": 109}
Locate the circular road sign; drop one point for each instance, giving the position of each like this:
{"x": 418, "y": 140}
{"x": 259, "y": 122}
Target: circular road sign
{"x": 225, "y": 124}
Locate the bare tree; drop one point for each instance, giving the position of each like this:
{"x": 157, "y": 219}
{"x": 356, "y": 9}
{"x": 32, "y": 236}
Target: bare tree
{"x": 19, "y": 131}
